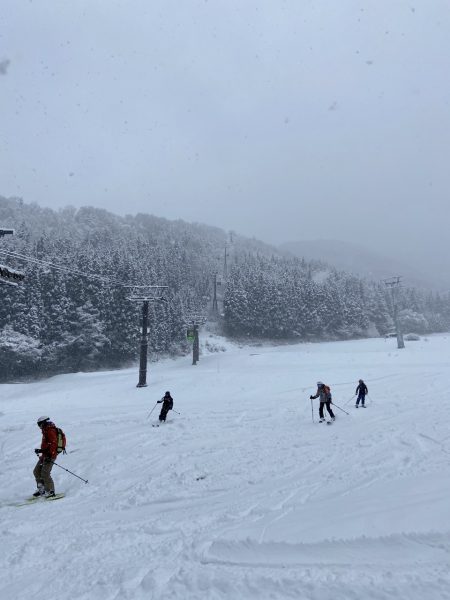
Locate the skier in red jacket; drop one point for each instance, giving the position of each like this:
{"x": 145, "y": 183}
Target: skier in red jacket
{"x": 48, "y": 452}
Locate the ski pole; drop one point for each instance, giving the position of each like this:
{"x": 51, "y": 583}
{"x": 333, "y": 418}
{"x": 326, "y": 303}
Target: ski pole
{"x": 85, "y": 480}
{"x": 175, "y": 411}
{"x": 152, "y": 410}
{"x": 344, "y": 411}
{"x": 349, "y": 399}
{"x": 312, "y": 411}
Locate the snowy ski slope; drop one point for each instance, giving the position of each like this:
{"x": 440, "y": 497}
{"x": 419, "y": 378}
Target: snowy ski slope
{"x": 241, "y": 496}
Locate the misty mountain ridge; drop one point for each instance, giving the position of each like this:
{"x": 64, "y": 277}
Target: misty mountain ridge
{"x": 346, "y": 256}
{"x": 359, "y": 260}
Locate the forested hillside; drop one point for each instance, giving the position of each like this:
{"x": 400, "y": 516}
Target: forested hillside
{"x": 61, "y": 321}
{"x": 290, "y": 298}
{"x": 81, "y": 318}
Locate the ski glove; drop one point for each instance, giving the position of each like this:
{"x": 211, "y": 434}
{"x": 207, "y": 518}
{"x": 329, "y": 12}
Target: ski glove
{"x": 37, "y": 450}
{"x": 311, "y": 397}
{"x": 158, "y": 401}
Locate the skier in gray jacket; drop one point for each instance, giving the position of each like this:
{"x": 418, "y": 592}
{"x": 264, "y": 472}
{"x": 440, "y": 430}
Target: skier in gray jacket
{"x": 324, "y": 393}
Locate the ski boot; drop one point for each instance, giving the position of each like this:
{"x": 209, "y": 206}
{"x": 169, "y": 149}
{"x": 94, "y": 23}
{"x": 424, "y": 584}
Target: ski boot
{"x": 49, "y": 494}
{"x": 39, "y": 492}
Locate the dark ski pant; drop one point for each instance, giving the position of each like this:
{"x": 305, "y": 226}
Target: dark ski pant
{"x": 42, "y": 475}
{"x": 164, "y": 410}
{"x": 328, "y": 405}
{"x": 361, "y": 397}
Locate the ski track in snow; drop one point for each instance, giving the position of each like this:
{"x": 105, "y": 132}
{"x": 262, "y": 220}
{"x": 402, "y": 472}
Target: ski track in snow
{"x": 241, "y": 496}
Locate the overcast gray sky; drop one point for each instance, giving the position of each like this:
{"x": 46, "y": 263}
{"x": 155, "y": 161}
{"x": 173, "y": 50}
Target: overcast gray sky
{"x": 278, "y": 119}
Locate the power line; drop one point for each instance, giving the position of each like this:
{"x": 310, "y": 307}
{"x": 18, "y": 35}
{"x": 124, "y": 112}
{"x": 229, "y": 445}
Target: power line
{"x": 8, "y": 275}
{"x": 62, "y": 268}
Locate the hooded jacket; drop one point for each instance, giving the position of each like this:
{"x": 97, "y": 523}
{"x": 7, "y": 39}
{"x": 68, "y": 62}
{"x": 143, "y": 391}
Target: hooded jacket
{"x": 167, "y": 402}
{"x": 324, "y": 393}
{"x": 362, "y": 389}
{"x": 49, "y": 444}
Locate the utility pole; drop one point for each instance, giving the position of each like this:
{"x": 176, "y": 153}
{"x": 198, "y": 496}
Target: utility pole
{"x": 228, "y": 245}
{"x": 146, "y": 294}
{"x": 393, "y": 283}
{"x": 225, "y": 265}
{"x": 215, "y": 307}
{"x": 196, "y": 346}
{"x": 144, "y": 347}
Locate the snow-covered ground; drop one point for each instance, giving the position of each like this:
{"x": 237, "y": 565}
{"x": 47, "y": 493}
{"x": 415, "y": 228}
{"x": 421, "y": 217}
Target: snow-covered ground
{"x": 240, "y": 496}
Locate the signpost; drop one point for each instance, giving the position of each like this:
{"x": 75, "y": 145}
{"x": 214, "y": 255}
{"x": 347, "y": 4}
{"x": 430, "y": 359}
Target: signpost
{"x": 192, "y": 335}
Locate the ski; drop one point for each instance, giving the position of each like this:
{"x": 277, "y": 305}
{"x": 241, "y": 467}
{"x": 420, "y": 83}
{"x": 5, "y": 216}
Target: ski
{"x": 55, "y": 497}
{"x": 34, "y": 499}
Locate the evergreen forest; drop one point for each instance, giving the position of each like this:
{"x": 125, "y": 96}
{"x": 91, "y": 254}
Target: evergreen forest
{"x": 73, "y": 310}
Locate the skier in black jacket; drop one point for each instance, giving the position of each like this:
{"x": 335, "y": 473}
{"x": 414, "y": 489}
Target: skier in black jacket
{"x": 361, "y": 392}
{"x": 167, "y": 404}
